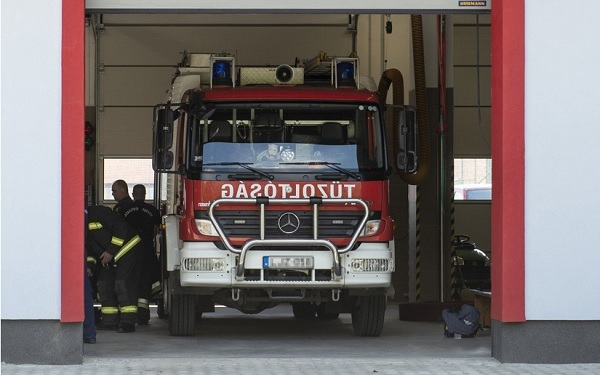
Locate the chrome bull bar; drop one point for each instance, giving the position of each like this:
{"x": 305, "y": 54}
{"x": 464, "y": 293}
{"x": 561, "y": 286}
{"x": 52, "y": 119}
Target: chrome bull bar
{"x": 315, "y": 202}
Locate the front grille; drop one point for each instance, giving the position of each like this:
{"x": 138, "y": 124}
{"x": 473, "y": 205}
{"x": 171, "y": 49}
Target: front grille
{"x": 287, "y": 275}
{"x": 246, "y": 223}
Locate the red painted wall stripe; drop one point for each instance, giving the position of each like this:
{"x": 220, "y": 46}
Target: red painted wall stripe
{"x": 508, "y": 158}
{"x": 72, "y": 135}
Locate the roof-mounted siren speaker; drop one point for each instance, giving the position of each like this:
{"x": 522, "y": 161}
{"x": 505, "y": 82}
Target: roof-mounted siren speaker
{"x": 284, "y": 73}
{"x": 345, "y": 71}
{"x": 222, "y": 71}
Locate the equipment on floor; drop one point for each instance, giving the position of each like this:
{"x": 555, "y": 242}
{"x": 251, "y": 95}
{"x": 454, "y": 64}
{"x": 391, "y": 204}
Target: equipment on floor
{"x": 463, "y": 322}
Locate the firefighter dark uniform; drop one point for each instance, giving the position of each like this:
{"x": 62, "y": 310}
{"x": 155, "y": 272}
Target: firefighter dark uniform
{"x": 122, "y": 205}
{"x": 117, "y": 280}
{"x": 145, "y": 218}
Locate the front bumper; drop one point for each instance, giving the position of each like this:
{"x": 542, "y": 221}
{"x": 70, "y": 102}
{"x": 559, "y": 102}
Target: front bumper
{"x": 322, "y": 275}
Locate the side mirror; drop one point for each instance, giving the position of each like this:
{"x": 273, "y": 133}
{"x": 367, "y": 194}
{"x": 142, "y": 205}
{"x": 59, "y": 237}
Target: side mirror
{"x": 162, "y": 160}
{"x": 162, "y": 156}
{"x": 406, "y": 147}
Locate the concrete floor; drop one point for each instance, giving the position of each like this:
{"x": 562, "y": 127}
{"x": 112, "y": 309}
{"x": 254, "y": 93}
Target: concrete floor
{"x": 274, "y": 342}
{"x": 228, "y": 333}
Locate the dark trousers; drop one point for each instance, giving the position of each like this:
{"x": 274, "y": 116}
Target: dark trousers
{"x": 89, "y": 322}
{"x": 148, "y": 275}
{"x": 118, "y": 289}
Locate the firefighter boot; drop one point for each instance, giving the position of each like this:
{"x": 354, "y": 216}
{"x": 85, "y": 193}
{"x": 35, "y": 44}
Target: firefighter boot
{"x": 143, "y": 311}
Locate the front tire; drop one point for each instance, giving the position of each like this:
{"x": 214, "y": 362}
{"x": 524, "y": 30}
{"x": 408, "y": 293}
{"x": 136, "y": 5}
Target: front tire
{"x": 368, "y": 315}
{"x": 183, "y": 315}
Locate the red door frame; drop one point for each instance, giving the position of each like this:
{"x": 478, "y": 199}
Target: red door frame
{"x": 508, "y": 160}
{"x": 508, "y": 150}
{"x": 72, "y": 160}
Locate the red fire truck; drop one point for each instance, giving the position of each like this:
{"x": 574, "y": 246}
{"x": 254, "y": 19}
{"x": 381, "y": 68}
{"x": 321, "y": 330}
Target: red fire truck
{"x": 277, "y": 190}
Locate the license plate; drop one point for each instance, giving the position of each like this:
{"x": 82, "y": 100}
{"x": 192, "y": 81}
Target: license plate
{"x": 291, "y": 262}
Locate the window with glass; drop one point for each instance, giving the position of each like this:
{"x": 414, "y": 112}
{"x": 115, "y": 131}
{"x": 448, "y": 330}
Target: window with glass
{"x": 133, "y": 171}
{"x": 306, "y": 137}
{"x": 473, "y": 179}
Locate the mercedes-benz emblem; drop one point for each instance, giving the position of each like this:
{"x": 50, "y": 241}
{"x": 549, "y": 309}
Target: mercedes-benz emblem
{"x": 288, "y": 222}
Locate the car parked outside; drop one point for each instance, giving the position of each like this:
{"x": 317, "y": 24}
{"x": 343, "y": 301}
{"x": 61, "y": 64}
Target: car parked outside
{"x": 473, "y": 192}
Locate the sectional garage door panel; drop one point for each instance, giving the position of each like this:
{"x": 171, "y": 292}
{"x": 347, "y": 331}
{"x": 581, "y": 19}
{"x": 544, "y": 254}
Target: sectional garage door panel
{"x": 465, "y": 45}
{"x": 225, "y": 20}
{"x": 125, "y": 132}
{"x": 152, "y": 45}
{"x": 139, "y": 86}
{"x": 472, "y": 137}
{"x": 469, "y": 84}
{"x": 137, "y": 63}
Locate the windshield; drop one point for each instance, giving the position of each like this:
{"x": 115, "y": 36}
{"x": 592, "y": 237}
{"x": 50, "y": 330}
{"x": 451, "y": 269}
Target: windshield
{"x": 288, "y": 137}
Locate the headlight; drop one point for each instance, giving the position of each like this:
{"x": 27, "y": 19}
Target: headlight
{"x": 204, "y": 264}
{"x": 206, "y": 228}
{"x": 370, "y": 265}
{"x": 371, "y": 228}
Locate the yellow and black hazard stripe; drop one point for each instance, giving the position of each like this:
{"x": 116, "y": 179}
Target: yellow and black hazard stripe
{"x": 418, "y": 246}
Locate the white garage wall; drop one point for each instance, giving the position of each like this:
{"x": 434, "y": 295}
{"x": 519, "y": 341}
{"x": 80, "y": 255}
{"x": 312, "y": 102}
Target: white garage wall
{"x": 31, "y": 159}
{"x": 562, "y": 203}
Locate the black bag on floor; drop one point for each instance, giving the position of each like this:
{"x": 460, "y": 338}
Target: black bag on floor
{"x": 463, "y": 321}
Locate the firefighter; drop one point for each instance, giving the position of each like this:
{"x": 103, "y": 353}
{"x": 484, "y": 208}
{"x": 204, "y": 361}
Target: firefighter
{"x": 145, "y": 218}
{"x": 113, "y": 242}
{"x": 121, "y": 194}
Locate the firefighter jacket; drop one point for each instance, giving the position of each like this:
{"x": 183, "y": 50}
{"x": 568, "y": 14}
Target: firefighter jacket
{"x": 144, "y": 217}
{"x": 108, "y": 231}
{"x": 122, "y": 205}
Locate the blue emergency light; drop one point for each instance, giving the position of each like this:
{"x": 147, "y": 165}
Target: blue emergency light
{"x": 345, "y": 72}
{"x": 221, "y": 73}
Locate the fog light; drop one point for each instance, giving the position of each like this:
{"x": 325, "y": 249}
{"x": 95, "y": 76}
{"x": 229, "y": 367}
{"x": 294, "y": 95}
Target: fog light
{"x": 206, "y": 228}
{"x": 204, "y": 264}
{"x": 370, "y": 265}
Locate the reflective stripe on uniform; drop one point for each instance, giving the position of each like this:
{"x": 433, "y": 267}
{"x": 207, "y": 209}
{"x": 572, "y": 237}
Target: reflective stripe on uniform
{"x": 128, "y": 246}
{"x": 91, "y": 260}
{"x": 143, "y": 303}
{"x": 94, "y": 225}
{"x": 116, "y": 241}
{"x": 129, "y": 309}
{"x": 109, "y": 310}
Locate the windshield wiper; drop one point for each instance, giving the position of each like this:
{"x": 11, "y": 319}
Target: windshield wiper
{"x": 335, "y": 166}
{"x": 243, "y": 165}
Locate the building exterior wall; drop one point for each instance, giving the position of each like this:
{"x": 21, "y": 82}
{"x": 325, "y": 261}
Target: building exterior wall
{"x": 41, "y": 182}
{"x": 562, "y": 206}
{"x": 31, "y": 159}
